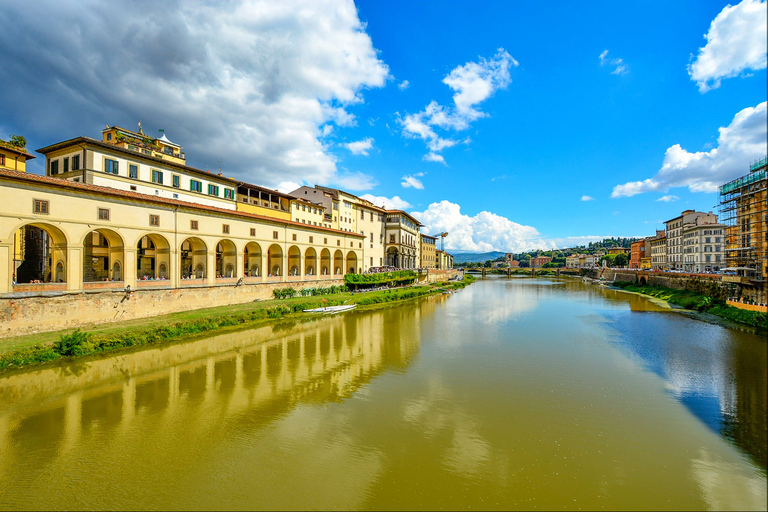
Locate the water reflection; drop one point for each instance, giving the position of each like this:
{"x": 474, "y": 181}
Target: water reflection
{"x": 719, "y": 374}
{"x": 190, "y": 395}
{"x": 518, "y": 393}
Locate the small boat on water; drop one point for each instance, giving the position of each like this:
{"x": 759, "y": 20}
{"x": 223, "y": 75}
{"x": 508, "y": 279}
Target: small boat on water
{"x": 331, "y": 309}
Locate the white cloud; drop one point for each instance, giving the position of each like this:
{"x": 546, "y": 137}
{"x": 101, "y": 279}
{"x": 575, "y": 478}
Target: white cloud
{"x": 394, "y": 203}
{"x": 619, "y": 69}
{"x": 484, "y": 232}
{"x": 745, "y": 139}
{"x": 434, "y": 157}
{"x": 587, "y": 198}
{"x": 403, "y": 85}
{"x": 736, "y": 42}
{"x": 472, "y": 83}
{"x": 258, "y": 82}
{"x": 360, "y": 147}
{"x": 668, "y": 199}
{"x": 413, "y": 181}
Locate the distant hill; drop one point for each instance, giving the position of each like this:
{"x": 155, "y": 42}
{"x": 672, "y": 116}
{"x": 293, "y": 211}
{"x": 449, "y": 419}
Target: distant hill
{"x": 477, "y": 256}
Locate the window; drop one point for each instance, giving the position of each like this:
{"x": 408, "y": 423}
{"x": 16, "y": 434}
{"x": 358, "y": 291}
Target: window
{"x": 196, "y": 186}
{"x": 110, "y": 166}
{"x": 303, "y": 207}
{"x": 294, "y": 237}
{"x": 229, "y": 193}
{"x": 109, "y": 136}
{"x": 54, "y": 167}
{"x": 274, "y": 235}
{"x": 325, "y": 241}
{"x": 225, "y": 229}
{"x": 193, "y": 225}
{"x": 133, "y": 187}
{"x": 338, "y": 243}
{"x": 360, "y": 244}
{"x": 391, "y": 239}
{"x": 176, "y": 179}
{"x": 175, "y": 196}
{"x": 41, "y": 206}
{"x": 335, "y": 205}
{"x": 2, "y": 159}
{"x": 253, "y": 231}
{"x": 154, "y": 220}
{"x": 371, "y": 240}
{"x": 311, "y": 239}
{"x": 103, "y": 214}
{"x": 157, "y": 177}
{"x": 362, "y": 214}
{"x": 213, "y": 190}
{"x": 133, "y": 171}
{"x": 76, "y": 162}
{"x": 66, "y": 165}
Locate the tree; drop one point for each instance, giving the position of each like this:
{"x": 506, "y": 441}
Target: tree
{"x": 18, "y": 141}
{"x": 621, "y": 260}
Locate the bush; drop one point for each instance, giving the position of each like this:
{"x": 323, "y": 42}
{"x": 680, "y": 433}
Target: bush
{"x": 382, "y": 278}
{"x": 75, "y": 344}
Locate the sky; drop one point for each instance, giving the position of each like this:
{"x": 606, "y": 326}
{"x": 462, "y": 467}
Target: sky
{"x": 511, "y": 125}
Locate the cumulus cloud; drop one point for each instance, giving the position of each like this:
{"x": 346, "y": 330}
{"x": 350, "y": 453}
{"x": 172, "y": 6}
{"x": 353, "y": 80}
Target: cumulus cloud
{"x": 619, "y": 68}
{"x": 403, "y": 85}
{"x": 587, "y": 198}
{"x": 483, "y": 232}
{"x": 736, "y": 42}
{"x": 257, "y": 83}
{"x": 704, "y": 171}
{"x": 472, "y": 83}
{"x": 668, "y": 198}
{"x": 360, "y": 147}
{"x": 413, "y": 181}
{"x": 393, "y": 203}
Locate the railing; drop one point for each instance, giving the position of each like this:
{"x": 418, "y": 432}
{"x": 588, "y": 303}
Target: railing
{"x": 39, "y": 287}
{"x": 103, "y": 285}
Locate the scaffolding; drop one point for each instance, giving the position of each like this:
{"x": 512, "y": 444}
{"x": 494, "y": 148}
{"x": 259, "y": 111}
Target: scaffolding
{"x": 744, "y": 211}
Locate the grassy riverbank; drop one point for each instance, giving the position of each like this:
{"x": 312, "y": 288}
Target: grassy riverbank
{"x": 39, "y": 348}
{"x": 702, "y": 303}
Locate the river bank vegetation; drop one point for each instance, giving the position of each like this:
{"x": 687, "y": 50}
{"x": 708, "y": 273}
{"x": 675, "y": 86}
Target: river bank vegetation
{"x": 695, "y": 301}
{"x": 40, "y": 348}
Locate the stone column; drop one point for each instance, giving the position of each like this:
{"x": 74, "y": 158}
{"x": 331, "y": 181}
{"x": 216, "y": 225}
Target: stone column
{"x": 6, "y": 271}
{"x": 210, "y": 267}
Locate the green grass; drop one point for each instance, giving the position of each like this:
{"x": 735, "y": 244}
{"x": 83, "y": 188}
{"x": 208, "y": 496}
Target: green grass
{"x": 699, "y": 302}
{"x": 39, "y": 348}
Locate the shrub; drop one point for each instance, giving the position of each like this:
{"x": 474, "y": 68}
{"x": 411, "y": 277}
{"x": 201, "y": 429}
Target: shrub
{"x": 74, "y": 344}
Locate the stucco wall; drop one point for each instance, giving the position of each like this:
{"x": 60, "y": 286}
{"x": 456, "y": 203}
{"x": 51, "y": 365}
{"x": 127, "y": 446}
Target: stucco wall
{"x": 29, "y": 315}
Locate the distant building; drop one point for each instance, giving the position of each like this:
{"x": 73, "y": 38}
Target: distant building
{"x": 639, "y": 250}
{"x": 659, "y": 250}
{"x": 540, "y": 261}
{"x": 619, "y": 250}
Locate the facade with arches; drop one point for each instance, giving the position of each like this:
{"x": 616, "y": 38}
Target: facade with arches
{"x": 58, "y": 235}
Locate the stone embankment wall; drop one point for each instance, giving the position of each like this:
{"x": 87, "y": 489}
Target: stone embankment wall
{"x": 435, "y": 276}
{"x": 30, "y": 315}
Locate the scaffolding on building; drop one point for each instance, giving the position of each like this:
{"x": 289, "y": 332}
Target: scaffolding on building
{"x": 744, "y": 211}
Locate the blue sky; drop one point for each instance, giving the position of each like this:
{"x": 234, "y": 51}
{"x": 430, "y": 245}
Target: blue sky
{"x": 505, "y": 123}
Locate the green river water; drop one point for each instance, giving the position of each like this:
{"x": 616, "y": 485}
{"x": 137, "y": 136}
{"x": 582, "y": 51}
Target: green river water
{"x": 518, "y": 393}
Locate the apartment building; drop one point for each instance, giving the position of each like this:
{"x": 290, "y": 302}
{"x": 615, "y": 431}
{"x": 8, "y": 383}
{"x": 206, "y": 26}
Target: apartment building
{"x": 539, "y": 261}
{"x": 703, "y": 246}
{"x": 674, "y": 232}
{"x": 658, "y": 252}
{"x": 428, "y": 251}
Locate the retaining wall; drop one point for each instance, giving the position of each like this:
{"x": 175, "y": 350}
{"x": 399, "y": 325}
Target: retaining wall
{"x": 29, "y": 315}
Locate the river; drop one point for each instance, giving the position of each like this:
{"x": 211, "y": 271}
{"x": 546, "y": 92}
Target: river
{"x": 513, "y": 393}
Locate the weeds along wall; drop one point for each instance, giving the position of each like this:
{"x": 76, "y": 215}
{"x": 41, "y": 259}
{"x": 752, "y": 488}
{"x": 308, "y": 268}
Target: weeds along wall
{"x": 30, "y": 315}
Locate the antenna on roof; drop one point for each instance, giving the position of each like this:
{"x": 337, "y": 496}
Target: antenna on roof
{"x": 220, "y": 167}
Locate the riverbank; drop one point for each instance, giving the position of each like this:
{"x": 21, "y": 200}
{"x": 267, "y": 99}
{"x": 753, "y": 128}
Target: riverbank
{"x": 702, "y": 303}
{"x": 26, "y": 350}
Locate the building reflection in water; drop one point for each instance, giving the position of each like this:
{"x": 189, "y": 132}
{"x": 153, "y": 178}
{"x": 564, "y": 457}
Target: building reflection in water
{"x": 205, "y": 385}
